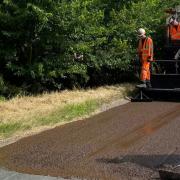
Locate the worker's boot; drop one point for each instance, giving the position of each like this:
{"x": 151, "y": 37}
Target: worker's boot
{"x": 143, "y": 85}
{"x": 148, "y": 84}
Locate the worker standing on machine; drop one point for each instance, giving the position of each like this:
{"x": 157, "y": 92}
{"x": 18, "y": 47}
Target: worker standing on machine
{"x": 174, "y": 29}
{"x": 145, "y": 52}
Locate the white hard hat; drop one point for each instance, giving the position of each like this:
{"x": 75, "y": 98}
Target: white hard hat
{"x": 141, "y": 32}
{"x": 171, "y": 20}
{"x": 176, "y": 22}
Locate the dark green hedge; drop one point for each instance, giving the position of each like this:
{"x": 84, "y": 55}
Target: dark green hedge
{"x": 38, "y": 40}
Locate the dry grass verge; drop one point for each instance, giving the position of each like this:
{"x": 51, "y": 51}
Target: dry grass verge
{"x": 35, "y": 113}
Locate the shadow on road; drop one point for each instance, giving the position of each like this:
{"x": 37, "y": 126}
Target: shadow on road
{"x": 149, "y": 161}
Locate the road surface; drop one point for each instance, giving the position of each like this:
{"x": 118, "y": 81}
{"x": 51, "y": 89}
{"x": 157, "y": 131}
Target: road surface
{"x": 131, "y": 141}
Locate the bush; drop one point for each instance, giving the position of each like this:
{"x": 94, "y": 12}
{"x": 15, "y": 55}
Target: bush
{"x": 39, "y": 40}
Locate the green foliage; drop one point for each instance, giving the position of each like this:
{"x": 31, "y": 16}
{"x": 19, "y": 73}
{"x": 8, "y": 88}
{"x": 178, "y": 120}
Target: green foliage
{"x": 7, "y": 129}
{"x": 2, "y": 85}
{"x": 38, "y": 39}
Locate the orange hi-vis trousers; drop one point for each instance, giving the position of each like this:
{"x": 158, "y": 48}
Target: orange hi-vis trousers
{"x": 145, "y": 71}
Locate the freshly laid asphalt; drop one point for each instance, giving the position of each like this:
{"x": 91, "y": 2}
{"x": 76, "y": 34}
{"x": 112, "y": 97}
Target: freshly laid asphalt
{"x": 132, "y": 141}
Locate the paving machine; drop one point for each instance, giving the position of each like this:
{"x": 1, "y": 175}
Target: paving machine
{"x": 165, "y": 74}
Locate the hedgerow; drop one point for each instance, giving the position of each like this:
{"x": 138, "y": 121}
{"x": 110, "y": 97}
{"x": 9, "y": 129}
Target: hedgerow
{"x": 42, "y": 42}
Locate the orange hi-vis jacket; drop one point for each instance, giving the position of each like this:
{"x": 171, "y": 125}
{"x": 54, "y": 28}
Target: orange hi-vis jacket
{"x": 145, "y": 51}
{"x": 174, "y": 32}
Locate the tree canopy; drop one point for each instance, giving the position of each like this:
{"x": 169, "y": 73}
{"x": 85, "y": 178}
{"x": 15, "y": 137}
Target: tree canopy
{"x": 42, "y": 42}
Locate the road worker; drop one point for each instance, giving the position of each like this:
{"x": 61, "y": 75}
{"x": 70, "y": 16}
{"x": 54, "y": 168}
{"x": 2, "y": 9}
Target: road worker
{"x": 174, "y": 29}
{"x": 145, "y": 52}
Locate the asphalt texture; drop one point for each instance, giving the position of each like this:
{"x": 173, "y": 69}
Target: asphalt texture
{"x": 132, "y": 141}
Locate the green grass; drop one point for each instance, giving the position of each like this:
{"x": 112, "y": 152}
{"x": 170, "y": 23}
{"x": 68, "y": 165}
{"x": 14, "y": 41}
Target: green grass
{"x": 10, "y": 128}
{"x": 58, "y": 108}
{"x": 65, "y": 114}
{"x": 2, "y": 98}
{"x": 69, "y": 112}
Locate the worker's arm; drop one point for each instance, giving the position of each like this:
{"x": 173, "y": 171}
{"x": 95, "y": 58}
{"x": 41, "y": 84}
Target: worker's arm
{"x": 139, "y": 50}
{"x": 151, "y": 50}
{"x": 177, "y": 56}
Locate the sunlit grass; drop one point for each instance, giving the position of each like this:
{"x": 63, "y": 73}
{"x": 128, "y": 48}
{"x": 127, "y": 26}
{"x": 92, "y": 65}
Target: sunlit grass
{"x": 69, "y": 112}
{"x": 8, "y": 129}
{"x": 35, "y": 113}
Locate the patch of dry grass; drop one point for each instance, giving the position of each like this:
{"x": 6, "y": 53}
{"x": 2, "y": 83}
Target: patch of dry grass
{"x": 24, "y": 109}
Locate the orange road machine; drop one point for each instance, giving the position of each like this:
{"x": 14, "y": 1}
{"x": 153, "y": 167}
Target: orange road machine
{"x": 165, "y": 80}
